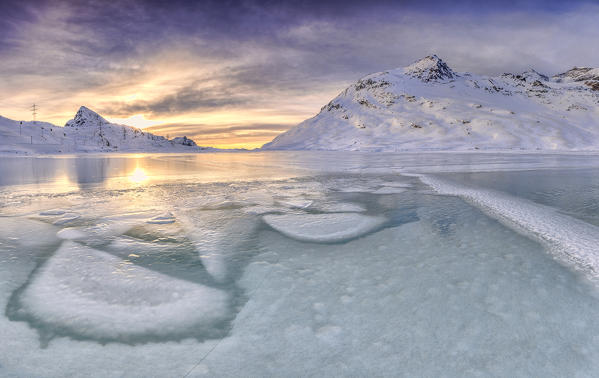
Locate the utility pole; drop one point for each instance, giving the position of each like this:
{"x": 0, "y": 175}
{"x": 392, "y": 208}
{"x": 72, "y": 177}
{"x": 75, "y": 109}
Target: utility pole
{"x": 34, "y": 108}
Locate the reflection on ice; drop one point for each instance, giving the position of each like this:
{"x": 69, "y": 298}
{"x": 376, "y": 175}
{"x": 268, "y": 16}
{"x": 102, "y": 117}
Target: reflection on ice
{"x": 138, "y": 175}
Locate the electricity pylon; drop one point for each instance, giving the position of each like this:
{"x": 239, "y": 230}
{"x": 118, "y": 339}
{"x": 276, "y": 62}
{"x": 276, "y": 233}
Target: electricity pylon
{"x": 34, "y": 108}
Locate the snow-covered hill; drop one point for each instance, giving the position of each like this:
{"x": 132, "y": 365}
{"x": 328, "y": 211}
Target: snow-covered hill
{"x": 87, "y": 132}
{"x": 428, "y": 106}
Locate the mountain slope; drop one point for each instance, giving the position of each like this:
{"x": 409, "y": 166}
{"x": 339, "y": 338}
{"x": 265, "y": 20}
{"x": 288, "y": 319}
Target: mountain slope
{"x": 86, "y": 132}
{"x": 428, "y": 106}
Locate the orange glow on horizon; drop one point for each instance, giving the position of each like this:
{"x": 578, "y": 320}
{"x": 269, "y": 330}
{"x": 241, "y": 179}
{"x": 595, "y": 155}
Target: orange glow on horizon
{"x": 132, "y": 100}
{"x": 247, "y": 146}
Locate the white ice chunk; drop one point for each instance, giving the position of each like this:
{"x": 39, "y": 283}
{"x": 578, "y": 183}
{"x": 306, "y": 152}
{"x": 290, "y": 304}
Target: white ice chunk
{"x": 331, "y": 227}
{"x": 215, "y": 265}
{"x": 66, "y": 218}
{"x": 99, "y": 295}
{"x": 71, "y": 233}
{"x": 296, "y": 203}
{"x": 165, "y": 218}
{"x": 53, "y": 212}
{"x": 216, "y": 235}
{"x": 108, "y": 227}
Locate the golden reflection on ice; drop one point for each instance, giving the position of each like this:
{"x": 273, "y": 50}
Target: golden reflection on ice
{"x": 120, "y": 171}
{"x": 138, "y": 175}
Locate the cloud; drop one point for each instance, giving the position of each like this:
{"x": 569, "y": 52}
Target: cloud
{"x": 205, "y": 130}
{"x": 184, "y": 100}
{"x": 248, "y": 135}
{"x": 258, "y": 59}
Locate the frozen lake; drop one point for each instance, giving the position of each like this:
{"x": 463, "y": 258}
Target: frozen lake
{"x": 299, "y": 264}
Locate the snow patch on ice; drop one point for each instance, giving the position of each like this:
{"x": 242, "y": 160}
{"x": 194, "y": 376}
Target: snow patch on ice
{"x": 324, "y": 228}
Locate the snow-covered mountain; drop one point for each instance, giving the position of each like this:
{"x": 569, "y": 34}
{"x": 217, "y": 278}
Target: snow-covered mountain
{"x": 428, "y": 106}
{"x": 86, "y": 132}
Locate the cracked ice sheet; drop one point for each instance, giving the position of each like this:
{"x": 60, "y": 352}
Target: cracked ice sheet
{"x": 94, "y": 294}
{"x": 21, "y": 355}
{"x": 411, "y": 301}
{"x": 216, "y": 235}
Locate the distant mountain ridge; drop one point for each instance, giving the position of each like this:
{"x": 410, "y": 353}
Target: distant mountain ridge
{"x": 86, "y": 132}
{"x": 428, "y": 106}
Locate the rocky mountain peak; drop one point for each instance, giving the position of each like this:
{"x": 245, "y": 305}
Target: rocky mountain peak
{"x": 430, "y": 68}
{"x": 532, "y": 75}
{"x": 86, "y": 117}
{"x": 185, "y": 141}
{"x": 579, "y": 74}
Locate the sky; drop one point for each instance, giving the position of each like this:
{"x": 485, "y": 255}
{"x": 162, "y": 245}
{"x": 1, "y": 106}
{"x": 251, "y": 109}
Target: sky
{"x": 237, "y": 73}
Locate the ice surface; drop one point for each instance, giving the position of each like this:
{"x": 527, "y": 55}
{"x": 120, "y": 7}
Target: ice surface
{"x": 574, "y": 241}
{"x": 89, "y": 293}
{"x": 124, "y": 246}
{"x": 296, "y": 203}
{"x": 389, "y": 190}
{"x": 53, "y": 212}
{"x": 259, "y": 210}
{"x": 324, "y": 228}
{"x": 340, "y": 207}
{"x": 27, "y": 232}
{"x": 455, "y": 294}
{"x": 216, "y": 234}
{"x": 104, "y": 228}
{"x": 440, "y": 288}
